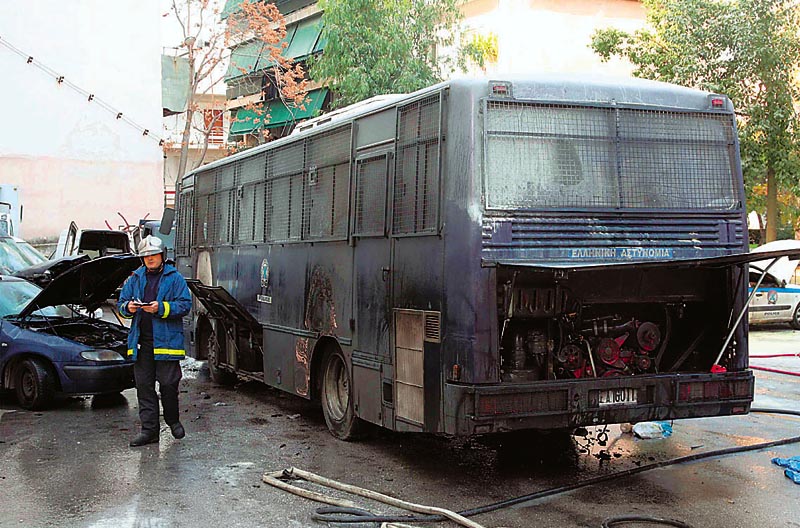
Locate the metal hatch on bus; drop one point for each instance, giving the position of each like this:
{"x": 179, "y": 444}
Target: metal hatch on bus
{"x": 221, "y": 305}
{"x": 725, "y": 260}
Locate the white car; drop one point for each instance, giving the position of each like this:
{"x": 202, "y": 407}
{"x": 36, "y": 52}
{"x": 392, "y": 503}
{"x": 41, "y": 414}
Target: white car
{"x": 777, "y": 299}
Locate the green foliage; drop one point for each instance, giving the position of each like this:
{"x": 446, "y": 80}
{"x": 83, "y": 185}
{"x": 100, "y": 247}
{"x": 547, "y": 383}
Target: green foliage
{"x": 478, "y": 50}
{"x": 376, "y": 47}
{"x": 747, "y": 49}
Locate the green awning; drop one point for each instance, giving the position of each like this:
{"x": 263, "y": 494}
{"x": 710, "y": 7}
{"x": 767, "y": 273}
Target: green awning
{"x": 280, "y": 114}
{"x": 246, "y": 121}
{"x": 174, "y": 84}
{"x": 244, "y": 59}
{"x": 231, "y": 6}
{"x": 321, "y": 41}
{"x": 264, "y": 62}
{"x": 305, "y": 38}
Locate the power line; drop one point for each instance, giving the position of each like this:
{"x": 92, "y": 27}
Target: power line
{"x": 90, "y": 96}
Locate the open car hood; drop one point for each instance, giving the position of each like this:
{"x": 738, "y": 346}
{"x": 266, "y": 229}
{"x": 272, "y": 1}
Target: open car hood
{"x": 42, "y": 274}
{"x": 87, "y": 284}
{"x": 713, "y": 262}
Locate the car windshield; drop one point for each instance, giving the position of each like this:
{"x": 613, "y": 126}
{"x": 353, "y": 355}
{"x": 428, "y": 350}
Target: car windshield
{"x": 17, "y": 294}
{"x": 16, "y": 255}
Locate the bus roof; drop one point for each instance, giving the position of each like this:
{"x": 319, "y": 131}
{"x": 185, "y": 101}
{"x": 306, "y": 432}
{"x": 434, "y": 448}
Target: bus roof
{"x": 578, "y": 88}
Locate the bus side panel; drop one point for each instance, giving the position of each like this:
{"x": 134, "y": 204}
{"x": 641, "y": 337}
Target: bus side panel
{"x": 248, "y": 277}
{"x": 285, "y": 334}
{"x": 417, "y": 281}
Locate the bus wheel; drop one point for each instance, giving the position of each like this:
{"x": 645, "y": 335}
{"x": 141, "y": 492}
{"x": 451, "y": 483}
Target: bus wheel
{"x": 795, "y": 322}
{"x": 337, "y": 397}
{"x": 218, "y": 375}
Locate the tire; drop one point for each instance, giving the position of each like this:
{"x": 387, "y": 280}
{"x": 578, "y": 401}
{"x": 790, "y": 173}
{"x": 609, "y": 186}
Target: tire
{"x": 218, "y": 375}
{"x": 34, "y": 385}
{"x": 337, "y": 398}
{"x": 795, "y": 322}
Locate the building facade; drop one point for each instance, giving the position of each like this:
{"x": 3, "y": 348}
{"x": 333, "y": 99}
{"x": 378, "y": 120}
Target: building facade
{"x": 81, "y": 81}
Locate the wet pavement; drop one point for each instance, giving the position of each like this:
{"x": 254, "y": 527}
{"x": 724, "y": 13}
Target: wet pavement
{"x": 71, "y": 465}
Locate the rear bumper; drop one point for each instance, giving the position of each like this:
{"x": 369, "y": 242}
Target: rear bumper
{"x": 477, "y": 409}
{"x": 97, "y": 379}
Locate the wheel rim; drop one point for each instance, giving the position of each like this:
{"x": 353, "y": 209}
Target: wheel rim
{"x": 337, "y": 388}
{"x": 28, "y": 385}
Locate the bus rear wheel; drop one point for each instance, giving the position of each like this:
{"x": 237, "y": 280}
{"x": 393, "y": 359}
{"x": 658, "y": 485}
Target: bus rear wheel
{"x": 337, "y": 398}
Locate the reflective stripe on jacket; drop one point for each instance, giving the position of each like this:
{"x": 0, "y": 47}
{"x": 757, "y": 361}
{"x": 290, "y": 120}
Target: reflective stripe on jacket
{"x": 174, "y": 302}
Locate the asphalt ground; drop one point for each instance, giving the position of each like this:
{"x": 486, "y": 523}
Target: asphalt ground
{"x": 71, "y": 466}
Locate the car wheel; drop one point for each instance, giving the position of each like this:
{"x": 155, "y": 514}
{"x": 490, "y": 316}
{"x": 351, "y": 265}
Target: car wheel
{"x": 337, "y": 398}
{"x": 218, "y": 374}
{"x": 795, "y": 322}
{"x": 34, "y": 385}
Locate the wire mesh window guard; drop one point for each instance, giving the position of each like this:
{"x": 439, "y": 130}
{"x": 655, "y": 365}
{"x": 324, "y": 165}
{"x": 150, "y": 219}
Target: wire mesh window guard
{"x": 416, "y": 180}
{"x": 370, "y": 207}
{"x": 546, "y": 156}
{"x": 185, "y": 221}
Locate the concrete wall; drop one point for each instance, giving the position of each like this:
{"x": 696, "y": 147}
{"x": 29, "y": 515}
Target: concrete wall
{"x": 550, "y": 35}
{"x": 72, "y": 159}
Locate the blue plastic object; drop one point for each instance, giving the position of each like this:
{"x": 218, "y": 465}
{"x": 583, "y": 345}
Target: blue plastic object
{"x": 792, "y": 466}
{"x": 666, "y": 427}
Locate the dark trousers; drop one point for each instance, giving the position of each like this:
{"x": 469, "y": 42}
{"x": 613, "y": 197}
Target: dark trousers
{"x": 168, "y": 374}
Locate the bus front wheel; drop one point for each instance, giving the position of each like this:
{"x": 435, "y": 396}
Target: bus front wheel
{"x": 213, "y": 353}
{"x": 337, "y": 397}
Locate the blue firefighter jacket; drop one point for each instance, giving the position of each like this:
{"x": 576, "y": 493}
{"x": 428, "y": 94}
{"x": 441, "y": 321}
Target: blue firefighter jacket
{"x": 174, "y": 302}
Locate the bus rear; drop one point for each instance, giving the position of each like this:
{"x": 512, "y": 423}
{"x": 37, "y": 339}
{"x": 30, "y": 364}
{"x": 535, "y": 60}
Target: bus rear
{"x": 613, "y": 248}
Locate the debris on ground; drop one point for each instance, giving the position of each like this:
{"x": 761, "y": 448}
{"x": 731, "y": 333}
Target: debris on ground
{"x": 792, "y": 467}
{"x": 652, "y": 430}
{"x": 220, "y": 404}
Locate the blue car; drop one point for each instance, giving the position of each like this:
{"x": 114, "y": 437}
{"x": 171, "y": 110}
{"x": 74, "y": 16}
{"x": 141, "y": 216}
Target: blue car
{"x": 48, "y": 343}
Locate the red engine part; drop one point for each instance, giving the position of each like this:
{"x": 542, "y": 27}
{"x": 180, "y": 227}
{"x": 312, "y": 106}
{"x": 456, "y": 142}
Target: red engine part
{"x": 608, "y": 351}
{"x": 649, "y": 336}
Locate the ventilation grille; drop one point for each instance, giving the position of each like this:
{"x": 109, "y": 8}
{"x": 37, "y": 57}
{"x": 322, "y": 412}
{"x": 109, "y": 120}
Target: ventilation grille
{"x": 433, "y": 327}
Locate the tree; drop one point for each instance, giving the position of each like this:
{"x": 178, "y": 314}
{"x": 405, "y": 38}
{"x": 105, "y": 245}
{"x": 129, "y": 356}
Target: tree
{"x": 376, "y": 47}
{"x": 206, "y": 44}
{"x": 747, "y": 49}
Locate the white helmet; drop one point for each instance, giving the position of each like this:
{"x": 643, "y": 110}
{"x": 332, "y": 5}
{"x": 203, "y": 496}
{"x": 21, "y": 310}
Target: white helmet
{"x": 150, "y": 245}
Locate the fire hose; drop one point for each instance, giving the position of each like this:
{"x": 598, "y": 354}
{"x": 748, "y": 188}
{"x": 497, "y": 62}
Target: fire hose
{"x": 345, "y": 512}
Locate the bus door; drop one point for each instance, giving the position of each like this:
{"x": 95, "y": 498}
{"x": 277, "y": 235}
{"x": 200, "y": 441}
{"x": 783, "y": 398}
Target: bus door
{"x": 372, "y": 369}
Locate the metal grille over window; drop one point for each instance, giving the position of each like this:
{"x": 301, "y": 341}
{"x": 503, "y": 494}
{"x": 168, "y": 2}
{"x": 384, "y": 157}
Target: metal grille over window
{"x": 205, "y": 185}
{"x": 540, "y": 156}
{"x": 285, "y": 171}
{"x": 416, "y": 181}
{"x": 185, "y": 221}
{"x": 371, "y": 179}
{"x": 326, "y": 185}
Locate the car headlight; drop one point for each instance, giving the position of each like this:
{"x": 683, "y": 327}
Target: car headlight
{"x": 101, "y": 355}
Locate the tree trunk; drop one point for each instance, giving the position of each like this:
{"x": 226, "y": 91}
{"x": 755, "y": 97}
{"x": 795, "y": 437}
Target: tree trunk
{"x": 772, "y": 204}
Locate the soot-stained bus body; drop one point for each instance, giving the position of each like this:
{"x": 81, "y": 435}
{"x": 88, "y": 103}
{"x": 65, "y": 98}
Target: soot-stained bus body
{"x": 482, "y": 256}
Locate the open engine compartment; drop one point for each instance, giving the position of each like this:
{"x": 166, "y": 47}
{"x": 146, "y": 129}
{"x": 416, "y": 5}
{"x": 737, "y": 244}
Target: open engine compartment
{"x": 90, "y": 332}
{"x": 555, "y": 325}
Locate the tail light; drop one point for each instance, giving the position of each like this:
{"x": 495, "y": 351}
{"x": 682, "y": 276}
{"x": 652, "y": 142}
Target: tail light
{"x": 713, "y": 390}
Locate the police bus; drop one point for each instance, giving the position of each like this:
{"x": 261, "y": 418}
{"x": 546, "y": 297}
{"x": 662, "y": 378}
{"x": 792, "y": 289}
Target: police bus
{"x": 482, "y": 256}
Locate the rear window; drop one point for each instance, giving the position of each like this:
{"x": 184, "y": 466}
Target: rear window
{"x": 569, "y": 156}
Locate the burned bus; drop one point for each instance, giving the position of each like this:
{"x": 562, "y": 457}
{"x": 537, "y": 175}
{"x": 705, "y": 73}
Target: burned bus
{"x": 482, "y": 256}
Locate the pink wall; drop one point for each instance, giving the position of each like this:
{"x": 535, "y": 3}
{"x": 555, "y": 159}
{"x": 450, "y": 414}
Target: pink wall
{"x": 55, "y": 191}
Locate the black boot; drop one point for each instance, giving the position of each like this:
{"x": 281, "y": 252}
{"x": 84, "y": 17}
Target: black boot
{"x": 177, "y": 430}
{"x": 144, "y": 438}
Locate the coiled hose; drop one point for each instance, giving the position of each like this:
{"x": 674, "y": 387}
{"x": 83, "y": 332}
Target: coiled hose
{"x": 355, "y": 515}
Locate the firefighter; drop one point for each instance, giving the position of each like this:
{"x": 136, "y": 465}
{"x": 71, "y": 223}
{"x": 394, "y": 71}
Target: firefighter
{"x": 156, "y": 297}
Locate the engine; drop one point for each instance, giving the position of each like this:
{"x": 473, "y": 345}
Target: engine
{"x": 548, "y": 334}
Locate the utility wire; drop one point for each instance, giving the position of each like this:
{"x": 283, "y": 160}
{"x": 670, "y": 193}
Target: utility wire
{"x": 90, "y": 97}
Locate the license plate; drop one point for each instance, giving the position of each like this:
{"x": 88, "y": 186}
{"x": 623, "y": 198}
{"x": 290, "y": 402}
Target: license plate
{"x": 625, "y": 396}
